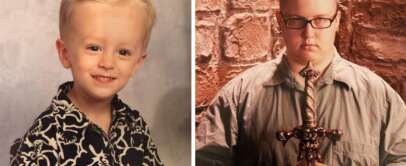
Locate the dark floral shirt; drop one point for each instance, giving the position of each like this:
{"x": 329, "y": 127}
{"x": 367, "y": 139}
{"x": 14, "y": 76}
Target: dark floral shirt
{"x": 62, "y": 135}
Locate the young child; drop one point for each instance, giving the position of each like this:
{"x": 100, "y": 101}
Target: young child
{"x": 103, "y": 42}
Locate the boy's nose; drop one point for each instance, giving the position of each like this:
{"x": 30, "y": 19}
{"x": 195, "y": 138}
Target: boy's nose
{"x": 308, "y": 31}
{"x": 107, "y": 61}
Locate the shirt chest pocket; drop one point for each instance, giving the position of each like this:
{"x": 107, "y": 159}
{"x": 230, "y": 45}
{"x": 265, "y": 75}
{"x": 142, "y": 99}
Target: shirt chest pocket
{"x": 347, "y": 153}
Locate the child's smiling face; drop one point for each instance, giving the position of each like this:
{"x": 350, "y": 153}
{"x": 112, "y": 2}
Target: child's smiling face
{"x": 103, "y": 46}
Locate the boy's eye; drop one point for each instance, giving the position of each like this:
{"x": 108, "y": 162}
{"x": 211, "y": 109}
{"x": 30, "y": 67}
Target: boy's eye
{"x": 124, "y": 52}
{"x": 93, "y": 48}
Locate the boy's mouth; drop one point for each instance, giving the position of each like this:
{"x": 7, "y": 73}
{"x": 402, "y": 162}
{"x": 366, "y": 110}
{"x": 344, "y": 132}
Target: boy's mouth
{"x": 103, "y": 79}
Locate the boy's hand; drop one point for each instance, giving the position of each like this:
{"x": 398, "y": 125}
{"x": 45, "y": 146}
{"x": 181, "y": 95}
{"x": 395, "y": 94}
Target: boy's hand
{"x": 304, "y": 164}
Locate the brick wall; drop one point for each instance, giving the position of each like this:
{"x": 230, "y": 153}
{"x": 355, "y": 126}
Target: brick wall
{"x": 234, "y": 35}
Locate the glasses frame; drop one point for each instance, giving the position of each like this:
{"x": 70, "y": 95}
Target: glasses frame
{"x": 285, "y": 19}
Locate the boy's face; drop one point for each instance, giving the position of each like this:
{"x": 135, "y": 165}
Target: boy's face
{"x": 309, "y": 43}
{"x": 103, "y": 47}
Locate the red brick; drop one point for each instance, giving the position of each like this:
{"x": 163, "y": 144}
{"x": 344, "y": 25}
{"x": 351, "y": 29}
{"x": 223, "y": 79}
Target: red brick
{"x": 275, "y": 30}
{"x": 251, "y": 4}
{"x": 206, "y": 83}
{"x": 246, "y": 37}
{"x": 206, "y": 43}
{"x": 208, "y": 5}
{"x": 207, "y": 53}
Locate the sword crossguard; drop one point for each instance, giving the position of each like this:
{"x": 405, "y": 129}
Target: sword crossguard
{"x": 334, "y": 134}
{"x": 310, "y": 139}
{"x": 284, "y": 136}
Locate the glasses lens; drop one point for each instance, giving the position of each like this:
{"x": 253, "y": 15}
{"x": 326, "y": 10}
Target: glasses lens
{"x": 321, "y": 22}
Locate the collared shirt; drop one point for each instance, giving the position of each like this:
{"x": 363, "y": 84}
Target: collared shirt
{"x": 62, "y": 135}
{"x": 240, "y": 125}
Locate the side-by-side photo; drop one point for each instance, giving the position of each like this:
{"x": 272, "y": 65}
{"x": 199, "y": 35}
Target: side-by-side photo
{"x": 203, "y": 83}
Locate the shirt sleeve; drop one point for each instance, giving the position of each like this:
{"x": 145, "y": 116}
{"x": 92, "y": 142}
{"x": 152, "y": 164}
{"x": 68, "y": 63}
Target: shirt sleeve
{"x": 151, "y": 157}
{"x": 217, "y": 131}
{"x": 393, "y": 145}
{"x": 38, "y": 146}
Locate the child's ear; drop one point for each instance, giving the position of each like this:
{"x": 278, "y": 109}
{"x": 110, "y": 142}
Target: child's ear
{"x": 62, "y": 53}
{"x": 139, "y": 63}
{"x": 337, "y": 20}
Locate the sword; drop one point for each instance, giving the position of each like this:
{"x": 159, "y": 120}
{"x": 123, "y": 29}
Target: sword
{"x": 309, "y": 133}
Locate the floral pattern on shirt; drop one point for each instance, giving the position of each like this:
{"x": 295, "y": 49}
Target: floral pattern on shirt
{"x": 62, "y": 135}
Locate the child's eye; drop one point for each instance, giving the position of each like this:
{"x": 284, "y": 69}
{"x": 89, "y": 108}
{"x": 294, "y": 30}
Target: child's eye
{"x": 93, "y": 48}
{"x": 124, "y": 52}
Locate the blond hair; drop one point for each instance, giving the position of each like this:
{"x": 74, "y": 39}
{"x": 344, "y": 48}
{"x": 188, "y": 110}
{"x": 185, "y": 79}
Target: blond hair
{"x": 67, "y": 6}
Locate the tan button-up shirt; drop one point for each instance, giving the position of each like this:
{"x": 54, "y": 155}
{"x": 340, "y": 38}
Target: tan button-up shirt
{"x": 240, "y": 125}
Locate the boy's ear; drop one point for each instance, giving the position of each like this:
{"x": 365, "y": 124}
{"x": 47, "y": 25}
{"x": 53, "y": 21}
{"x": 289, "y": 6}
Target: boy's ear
{"x": 62, "y": 53}
{"x": 337, "y": 21}
{"x": 139, "y": 63}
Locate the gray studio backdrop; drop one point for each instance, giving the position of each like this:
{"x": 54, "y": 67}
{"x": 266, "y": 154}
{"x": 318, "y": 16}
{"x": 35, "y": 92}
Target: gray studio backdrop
{"x": 30, "y": 74}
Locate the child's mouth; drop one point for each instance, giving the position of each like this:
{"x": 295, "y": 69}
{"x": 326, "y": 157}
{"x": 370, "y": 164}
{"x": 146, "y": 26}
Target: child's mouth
{"x": 103, "y": 79}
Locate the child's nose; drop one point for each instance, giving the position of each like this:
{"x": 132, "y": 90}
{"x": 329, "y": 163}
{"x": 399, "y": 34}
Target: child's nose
{"x": 308, "y": 31}
{"x": 107, "y": 61}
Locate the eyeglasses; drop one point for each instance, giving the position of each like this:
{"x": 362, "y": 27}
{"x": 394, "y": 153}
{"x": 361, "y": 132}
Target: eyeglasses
{"x": 316, "y": 23}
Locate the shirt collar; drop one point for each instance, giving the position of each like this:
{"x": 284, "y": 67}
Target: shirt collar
{"x": 117, "y": 106}
{"x": 341, "y": 71}
{"x": 337, "y": 70}
{"x": 282, "y": 73}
